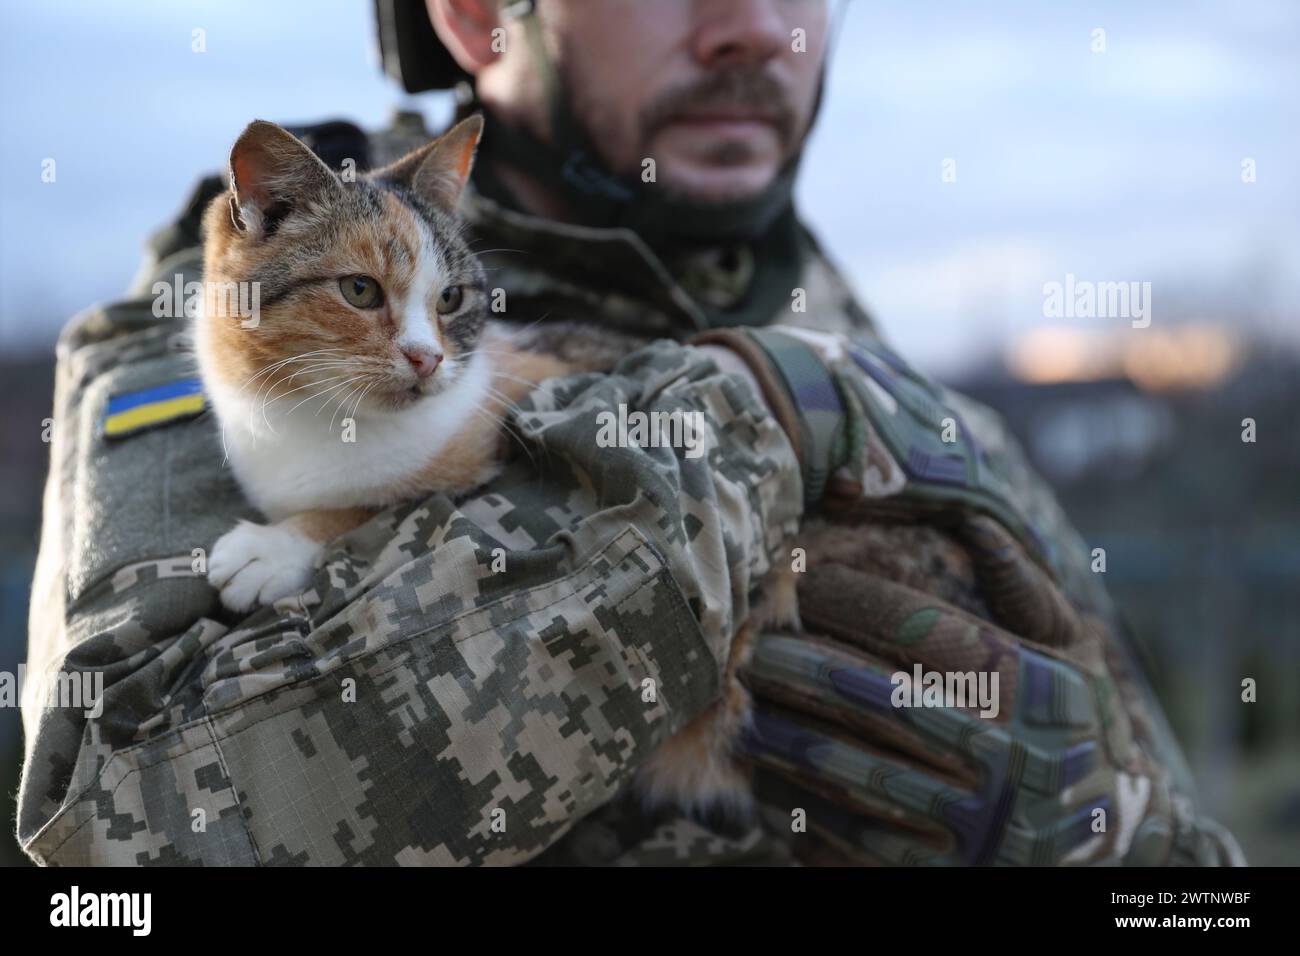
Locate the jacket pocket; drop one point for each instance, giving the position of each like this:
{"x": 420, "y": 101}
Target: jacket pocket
{"x": 418, "y": 719}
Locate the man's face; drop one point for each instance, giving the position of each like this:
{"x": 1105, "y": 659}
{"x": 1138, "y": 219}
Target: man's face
{"x": 718, "y": 92}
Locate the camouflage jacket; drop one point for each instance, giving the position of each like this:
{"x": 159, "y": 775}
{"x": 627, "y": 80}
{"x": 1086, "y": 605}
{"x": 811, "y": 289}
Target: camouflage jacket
{"x": 466, "y": 681}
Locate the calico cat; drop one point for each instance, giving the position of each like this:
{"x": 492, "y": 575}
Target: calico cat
{"x": 374, "y": 309}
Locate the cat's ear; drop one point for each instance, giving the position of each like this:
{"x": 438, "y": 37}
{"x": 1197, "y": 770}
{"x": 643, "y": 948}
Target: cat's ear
{"x": 439, "y": 170}
{"x": 271, "y": 173}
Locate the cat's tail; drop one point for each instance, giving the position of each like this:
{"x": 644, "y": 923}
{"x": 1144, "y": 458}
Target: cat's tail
{"x": 697, "y": 769}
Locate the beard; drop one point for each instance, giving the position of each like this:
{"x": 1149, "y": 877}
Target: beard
{"x": 748, "y": 88}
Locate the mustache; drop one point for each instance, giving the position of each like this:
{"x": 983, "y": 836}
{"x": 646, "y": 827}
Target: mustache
{"x": 749, "y": 88}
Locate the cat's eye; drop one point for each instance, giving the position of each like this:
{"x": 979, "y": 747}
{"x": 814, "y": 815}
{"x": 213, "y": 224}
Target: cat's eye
{"x": 449, "y": 300}
{"x": 364, "y": 292}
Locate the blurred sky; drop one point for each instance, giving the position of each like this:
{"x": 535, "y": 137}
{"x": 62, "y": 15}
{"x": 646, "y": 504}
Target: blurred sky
{"x": 1114, "y": 166}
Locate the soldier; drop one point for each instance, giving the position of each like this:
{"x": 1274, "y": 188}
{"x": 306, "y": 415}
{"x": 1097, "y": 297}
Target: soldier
{"x": 476, "y": 681}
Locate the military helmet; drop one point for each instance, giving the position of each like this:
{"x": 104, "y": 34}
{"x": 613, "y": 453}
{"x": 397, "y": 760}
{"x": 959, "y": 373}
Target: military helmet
{"x": 410, "y": 50}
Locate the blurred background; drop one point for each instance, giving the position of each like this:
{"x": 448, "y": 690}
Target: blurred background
{"x": 966, "y": 156}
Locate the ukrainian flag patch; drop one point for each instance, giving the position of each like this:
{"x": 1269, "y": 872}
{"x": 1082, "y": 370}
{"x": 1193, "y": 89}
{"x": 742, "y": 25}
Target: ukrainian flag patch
{"x": 132, "y": 412}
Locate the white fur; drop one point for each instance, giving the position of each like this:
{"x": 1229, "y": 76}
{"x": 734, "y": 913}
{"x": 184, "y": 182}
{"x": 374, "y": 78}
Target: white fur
{"x": 289, "y": 462}
{"x": 300, "y": 462}
{"x": 416, "y": 328}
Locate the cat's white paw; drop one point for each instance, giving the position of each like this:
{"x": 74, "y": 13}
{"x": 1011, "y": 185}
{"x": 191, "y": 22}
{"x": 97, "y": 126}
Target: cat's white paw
{"x": 259, "y": 564}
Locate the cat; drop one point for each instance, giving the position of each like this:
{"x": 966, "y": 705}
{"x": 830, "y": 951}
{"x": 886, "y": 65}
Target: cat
{"x": 372, "y": 305}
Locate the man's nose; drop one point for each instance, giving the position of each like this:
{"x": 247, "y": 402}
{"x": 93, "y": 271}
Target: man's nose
{"x": 423, "y": 359}
{"x": 739, "y": 32}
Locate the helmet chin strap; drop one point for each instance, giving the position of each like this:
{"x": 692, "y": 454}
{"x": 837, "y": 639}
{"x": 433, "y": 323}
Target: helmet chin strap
{"x": 570, "y": 168}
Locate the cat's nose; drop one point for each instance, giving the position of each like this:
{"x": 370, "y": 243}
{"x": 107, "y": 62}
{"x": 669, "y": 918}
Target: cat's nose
{"x": 423, "y": 360}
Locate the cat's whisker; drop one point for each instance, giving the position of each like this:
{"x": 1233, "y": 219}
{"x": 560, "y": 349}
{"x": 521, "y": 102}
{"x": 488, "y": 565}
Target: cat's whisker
{"x": 343, "y": 402}
{"x": 264, "y": 390}
{"x": 318, "y": 367}
{"x": 506, "y": 352}
{"x": 367, "y": 387}
{"x": 513, "y": 378}
{"x": 328, "y": 399}
{"x": 325, "y": 363}
{"x": 525, "y": 329}
{"x": 267, "y": 369}
{"x": 341, "y": 397}
{"x": 362, "y": 397}
{"x": 508, "y": 406}
{"x": 332, "y": 360}
{"x": 282, "y": 362}
{"x": 532, "y": 386}
{"x": 356, "y": 402}
{"x": 324, "y": 367}
{"x": 259, "y": 403}
{"x": 496, "y": 421}
{"x": 501, "y": 397}
{"x": 484, "y": 252}
{"x": 299, "y": 388}
{"x": 315, "y": 395}
{"x": 507, "y": 403}
{"x": 263, "y": 398}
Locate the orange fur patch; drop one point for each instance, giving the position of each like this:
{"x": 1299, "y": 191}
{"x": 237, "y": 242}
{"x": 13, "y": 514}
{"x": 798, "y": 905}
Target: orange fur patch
{"x": 317, "y": 319}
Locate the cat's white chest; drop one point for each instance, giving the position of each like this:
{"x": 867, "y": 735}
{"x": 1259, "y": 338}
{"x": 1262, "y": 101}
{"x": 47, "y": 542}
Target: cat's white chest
{"x": 299, "y": 461}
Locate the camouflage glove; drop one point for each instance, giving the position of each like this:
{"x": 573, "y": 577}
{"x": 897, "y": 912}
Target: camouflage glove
{"x": 933, "y": 553}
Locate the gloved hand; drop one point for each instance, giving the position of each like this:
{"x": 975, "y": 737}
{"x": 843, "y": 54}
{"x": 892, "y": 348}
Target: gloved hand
{"x": 932, "y": 549}
{"x": 1052, "y": 770}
